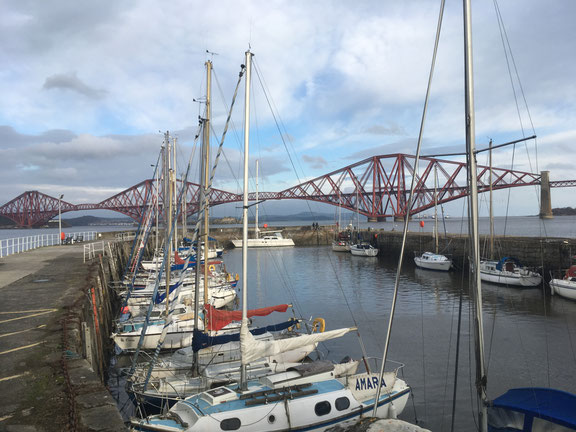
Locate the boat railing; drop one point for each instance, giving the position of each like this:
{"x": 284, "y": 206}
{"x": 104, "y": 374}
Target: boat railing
{"x": 17, "y": 245}
{"x": 376, "y": 361}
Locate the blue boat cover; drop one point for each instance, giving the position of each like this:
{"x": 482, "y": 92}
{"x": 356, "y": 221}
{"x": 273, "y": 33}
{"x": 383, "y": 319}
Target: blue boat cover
{"x": 503, "y": 260}
{"x": 202, "y": 340}
{"x": 553, "y": 405}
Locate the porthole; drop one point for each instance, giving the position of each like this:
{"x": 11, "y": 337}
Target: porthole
{"x": 342, "y": 403}
{"x": 271, "y": 419}
{"x": 230, "y": 424}
{"x": 322, "y": 408}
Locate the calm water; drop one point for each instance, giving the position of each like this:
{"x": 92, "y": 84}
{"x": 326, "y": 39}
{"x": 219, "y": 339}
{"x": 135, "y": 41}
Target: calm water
{"x": 530, "y": 336}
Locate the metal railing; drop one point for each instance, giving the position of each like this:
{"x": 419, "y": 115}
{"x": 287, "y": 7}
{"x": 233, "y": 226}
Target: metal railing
{"x": 16, "y": 245}
{"x": 123, "y": 236}
{"x": 91, "y": 250}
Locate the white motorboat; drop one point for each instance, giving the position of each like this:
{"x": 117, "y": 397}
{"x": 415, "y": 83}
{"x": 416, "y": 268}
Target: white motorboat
{"x": 363, "y": 249}
{"x": 565, "y": 287}
{"x": 340, "y": 246}
{"x": 508, "y": 271}
{"x": 432, "y": 261}
{"x": 269, "y": 239}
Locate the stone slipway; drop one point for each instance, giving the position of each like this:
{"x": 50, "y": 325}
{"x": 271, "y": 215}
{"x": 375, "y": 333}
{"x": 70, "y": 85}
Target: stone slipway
{"x": 37, "y": 375}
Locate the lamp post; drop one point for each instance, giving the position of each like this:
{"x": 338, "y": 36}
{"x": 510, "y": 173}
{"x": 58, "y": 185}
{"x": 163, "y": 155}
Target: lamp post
{"x": 60, "y": 219}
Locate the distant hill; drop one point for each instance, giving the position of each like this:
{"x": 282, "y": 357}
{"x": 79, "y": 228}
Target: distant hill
{"x": 99, "y": 221}
{"x": 94, "y": 220}
{"x": 564, "y": 211}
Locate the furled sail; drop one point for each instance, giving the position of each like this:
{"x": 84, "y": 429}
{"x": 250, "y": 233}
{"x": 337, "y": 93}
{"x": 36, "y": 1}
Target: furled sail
{"x": 252, "y": 349}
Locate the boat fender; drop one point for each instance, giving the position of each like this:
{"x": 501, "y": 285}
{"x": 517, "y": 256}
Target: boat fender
{"x": 294, "y": 327}
{"x": 237, "y": 277}
{"x": 318, "y": 325}
{"x": 211, "y": 267}
{"x": 228, "y": 277}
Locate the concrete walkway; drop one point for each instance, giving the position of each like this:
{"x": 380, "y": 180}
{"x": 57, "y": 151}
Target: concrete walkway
{"x": 35, "y": 287}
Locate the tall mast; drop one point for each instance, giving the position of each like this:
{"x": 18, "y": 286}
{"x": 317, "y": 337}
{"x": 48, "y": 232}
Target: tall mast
{"x": 207, "y": 174}
{"x": 436, "y": 207}
{"x": 174, "y": 194}
{"x": 491, "y": 209}
{"x": 168, "y": 220}
{"x": 202, "y": 202}
{"x": 473, "y": 215}
{"x": 256, "y": 230}
{"x": 248, "y": 61}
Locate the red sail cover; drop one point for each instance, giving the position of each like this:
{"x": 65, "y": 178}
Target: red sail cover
{"x": 218, "y": 319}
{"x": 177, "y": 259}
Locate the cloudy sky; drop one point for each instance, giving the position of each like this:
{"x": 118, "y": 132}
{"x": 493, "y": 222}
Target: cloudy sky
{"x": 87, "y": 87}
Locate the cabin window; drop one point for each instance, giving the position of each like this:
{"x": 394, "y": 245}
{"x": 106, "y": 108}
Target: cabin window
{"x": 322, "y": 408}
{"x": 230, "y": 424}
{"x": 271, "y": 419}
{"x": 342, "y": 403}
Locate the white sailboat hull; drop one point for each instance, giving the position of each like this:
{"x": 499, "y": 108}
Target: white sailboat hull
{"x": 264, "y": 242}
{"x": 357, "y": 250}
{"x": 340, "y": 246}
{"x": 518, "y": 276}
{"x": 298, "y": 412}
{"x": 564, "y": 287}
{"x": 433, "y": 262}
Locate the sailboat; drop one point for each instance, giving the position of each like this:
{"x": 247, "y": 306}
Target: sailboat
{"x": 361, "y": 248}
{"x": 528, "y": 409}
{"x": 565, "y": 286}
{"x": 429, "y": 260}
{"x": 271, "y": 238}
{"x": 342, "y": 241}
{"x": 308, "y": 397}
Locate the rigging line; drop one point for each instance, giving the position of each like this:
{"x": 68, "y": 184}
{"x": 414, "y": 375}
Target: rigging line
{"x": 506, "y": 42}
{"x": 457, "y": 356}
{"x": 410, "y": 203}
{"x": 503, "y": 29}
{"x": 277, "y": 123}
{"x": 509, "y": 192}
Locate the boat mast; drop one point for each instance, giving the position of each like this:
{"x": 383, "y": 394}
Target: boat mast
{"x": 436, "y": 208}
{"x": 174, "y": 195}
{"x": 256, "y": 230}
{"x": 206, "y": 176}
{"x": 248, "y": 61}
{"x": 201, "y": 204}
{"x": 491, "y": 210}
{"x": 473, "y": 215}
{"x": 168, "y": 220}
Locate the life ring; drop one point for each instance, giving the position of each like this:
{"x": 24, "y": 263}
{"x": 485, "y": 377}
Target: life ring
{"x": 211, "y": 267}
{"x": 318, "y": 325}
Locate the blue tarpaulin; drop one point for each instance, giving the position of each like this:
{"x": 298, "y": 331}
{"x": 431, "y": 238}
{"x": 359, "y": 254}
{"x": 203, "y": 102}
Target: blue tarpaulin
{"x": 556, "y": 406}
{"x": 202, "y": 340}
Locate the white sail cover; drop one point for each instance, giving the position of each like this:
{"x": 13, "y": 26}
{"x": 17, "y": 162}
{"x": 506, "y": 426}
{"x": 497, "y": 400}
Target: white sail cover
{"x": 252, "y": 349}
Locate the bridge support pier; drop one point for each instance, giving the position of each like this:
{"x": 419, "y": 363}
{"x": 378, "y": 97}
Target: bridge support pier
{"x": 372, "y": 219}
{"x": 545, "y": 196}
{"x": 381, "y": 219}
{"x": 398, "y": 219}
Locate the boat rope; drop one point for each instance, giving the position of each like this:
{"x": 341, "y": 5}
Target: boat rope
{"x": 409, "y": 205}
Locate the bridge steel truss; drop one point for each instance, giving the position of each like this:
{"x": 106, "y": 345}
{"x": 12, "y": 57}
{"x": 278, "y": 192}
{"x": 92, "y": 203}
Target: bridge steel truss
{"x": 377, "y": 187}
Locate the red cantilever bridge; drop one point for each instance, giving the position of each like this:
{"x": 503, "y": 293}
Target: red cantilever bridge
{"x": 378, "y": 187}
